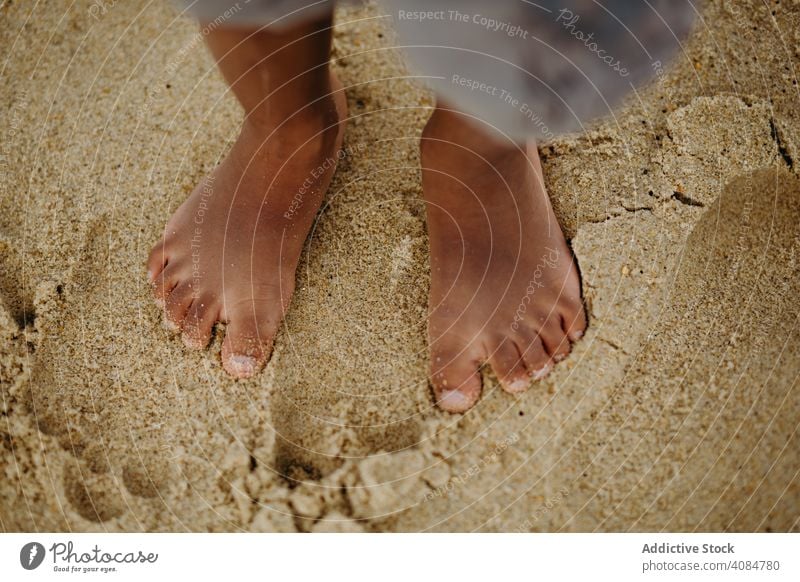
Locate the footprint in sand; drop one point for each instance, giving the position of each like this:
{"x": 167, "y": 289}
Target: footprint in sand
{"x": 73, "y": 395}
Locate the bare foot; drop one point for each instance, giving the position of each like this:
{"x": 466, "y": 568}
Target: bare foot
{"x": 504, "y": 287}
{"x": 229, "y": 253}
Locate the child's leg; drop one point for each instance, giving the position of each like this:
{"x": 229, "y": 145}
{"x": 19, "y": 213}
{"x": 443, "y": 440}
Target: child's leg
{"x": 229, "y": 253}
{"x": 504, "y": 288}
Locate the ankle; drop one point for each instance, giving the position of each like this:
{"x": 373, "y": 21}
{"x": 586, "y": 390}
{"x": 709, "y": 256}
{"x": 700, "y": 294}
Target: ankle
{"x": 448, "y": 128}
{"x": 302, "y": 101}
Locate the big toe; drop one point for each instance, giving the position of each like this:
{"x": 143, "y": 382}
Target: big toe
{"x": 247, "y": 345}
{"x": 456, "y": 381}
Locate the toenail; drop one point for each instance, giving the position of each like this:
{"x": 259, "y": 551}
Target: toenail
{"x": 454, "y": 400}
{"x": 242, "y": 365}
{"x": 169, "y": 325}
{"x": 577, "y": 335}
{"x": 518, "y": 385}
{"x": 539, "y": 374}
{"x": 559, "y": 357}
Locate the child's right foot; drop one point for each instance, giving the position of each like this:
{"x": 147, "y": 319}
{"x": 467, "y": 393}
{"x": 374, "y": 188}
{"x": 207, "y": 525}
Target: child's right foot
{"x": 229, "y": 253}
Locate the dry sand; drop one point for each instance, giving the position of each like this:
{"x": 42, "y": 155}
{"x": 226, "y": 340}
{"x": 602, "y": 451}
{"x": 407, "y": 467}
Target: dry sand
{"x": 679, "y": 410}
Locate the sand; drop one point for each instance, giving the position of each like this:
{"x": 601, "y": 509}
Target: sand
{"x": 678, "y": 411}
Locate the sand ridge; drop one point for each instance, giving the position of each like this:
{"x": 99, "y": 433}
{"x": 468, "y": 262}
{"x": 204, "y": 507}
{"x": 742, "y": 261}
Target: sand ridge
{"x": 679, "y": 410}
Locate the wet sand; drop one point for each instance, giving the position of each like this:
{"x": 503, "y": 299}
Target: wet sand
{"x": 678, "y": 411}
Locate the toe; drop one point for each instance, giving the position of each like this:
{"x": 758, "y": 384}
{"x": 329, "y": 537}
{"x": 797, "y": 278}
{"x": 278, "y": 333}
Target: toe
{"x": 176, "y": 306}
{"x": 456, "y": 381}
{"x": 164, "y": 284}
{"x": 555, "y": 342}
{"x": 248, "y": 342}
{"x": 564, "y": 347}
{"x": 536, "y": 358}
{"x": 199, "y": 323}
{"x": 508, "y": 366}
{"x": 156, "y": 261}
{"x": 574, "y": 323}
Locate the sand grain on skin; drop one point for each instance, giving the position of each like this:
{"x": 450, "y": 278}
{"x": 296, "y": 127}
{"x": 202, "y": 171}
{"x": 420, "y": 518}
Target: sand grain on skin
{"x": 678, "y": 410}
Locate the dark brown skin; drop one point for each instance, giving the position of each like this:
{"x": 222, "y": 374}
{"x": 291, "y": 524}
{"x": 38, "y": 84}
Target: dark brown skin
{"x": 504, "y": 287}
{"x": 229, "y": 253}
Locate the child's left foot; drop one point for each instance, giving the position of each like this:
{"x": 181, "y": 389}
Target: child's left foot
{"x": 504, "y": 287}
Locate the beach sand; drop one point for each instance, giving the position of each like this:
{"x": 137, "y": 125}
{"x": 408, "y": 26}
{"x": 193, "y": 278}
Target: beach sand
{"x": 679, "y": 410}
